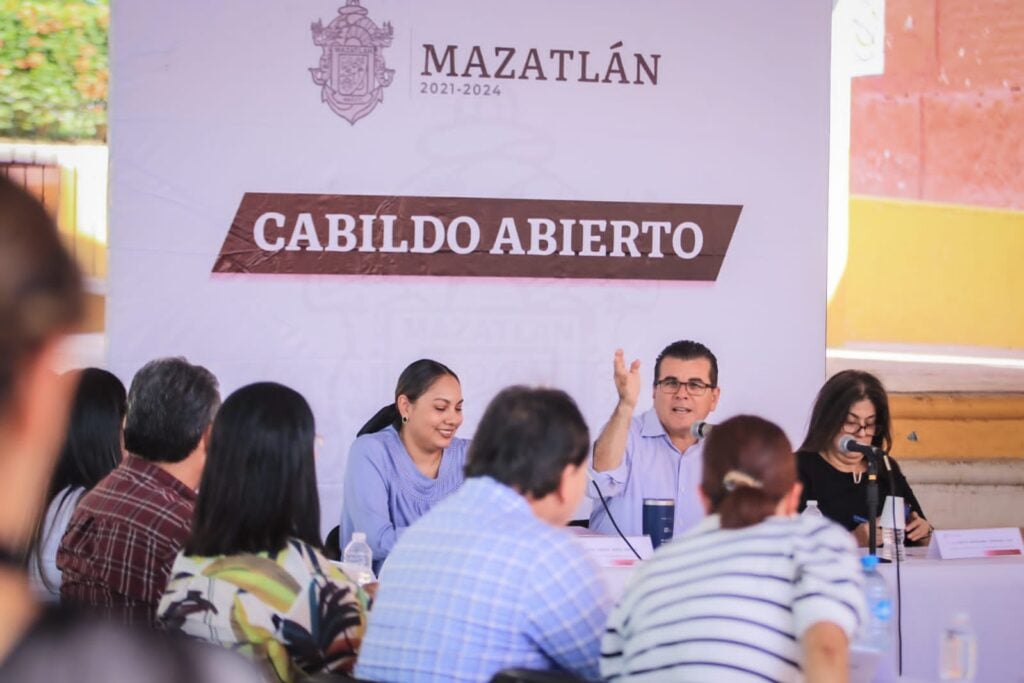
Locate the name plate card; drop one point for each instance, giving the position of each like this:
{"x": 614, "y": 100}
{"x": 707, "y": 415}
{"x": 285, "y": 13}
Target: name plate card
{"x": 610, "y": 551}
{"x": 954, "y": 544}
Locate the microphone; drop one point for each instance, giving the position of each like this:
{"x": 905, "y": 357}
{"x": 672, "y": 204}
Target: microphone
{"x": 848, "y": 444}
{"x": 700, "y": 430}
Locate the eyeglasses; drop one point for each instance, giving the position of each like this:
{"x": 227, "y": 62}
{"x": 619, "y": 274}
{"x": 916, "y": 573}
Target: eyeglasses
{"x": 855, "y": 426}
{"x": 694, "y": 387}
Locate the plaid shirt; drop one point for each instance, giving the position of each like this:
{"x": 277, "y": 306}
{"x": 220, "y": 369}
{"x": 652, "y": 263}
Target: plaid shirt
{"x": 117, "y": 552}
{"x": 480, "y": 584}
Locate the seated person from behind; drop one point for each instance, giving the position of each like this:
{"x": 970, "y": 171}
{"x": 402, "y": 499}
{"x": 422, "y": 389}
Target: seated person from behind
{"x": 853, "y": 403}
{"x": 117, "y": 553}
{"x": 655, "y": 455}
{"x": 753, "y": 592}
{"x": 92, "y": 450}
{"x": 489, "y": 579}
{"x": 405, "y": 459}
{"x": 251, "y": 576}
{"x": 41, "y": 300}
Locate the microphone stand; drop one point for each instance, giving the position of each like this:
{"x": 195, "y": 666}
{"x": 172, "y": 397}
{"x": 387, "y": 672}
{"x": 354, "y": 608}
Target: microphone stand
{"x": 872, "y": 504}
{"x": 848, "y": 444}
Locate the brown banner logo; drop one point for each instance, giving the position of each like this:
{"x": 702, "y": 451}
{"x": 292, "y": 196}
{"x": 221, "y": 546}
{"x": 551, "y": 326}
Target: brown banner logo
{"x": 476, "y": 237}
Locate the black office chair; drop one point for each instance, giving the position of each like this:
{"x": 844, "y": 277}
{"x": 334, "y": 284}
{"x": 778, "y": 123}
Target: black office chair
{"x": 534, "y": 676}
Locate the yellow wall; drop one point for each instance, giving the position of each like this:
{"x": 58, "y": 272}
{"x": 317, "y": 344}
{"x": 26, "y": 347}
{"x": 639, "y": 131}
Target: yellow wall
{"x": 922, "y": 273}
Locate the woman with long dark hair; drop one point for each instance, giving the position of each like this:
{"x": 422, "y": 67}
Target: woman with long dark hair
{"x": 405, "y": 459}
{"x": 753, "y": 592}
{"x": 92, "y": 449}
{"x": 853, "y": 403}
{"x": 251, "y": 576}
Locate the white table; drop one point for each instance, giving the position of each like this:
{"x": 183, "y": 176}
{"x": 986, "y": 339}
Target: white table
{"x": 990, "y": 591}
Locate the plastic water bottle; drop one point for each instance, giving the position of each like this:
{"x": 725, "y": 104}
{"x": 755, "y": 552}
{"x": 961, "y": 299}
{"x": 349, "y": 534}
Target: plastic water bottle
{"x": 876, "y": 631}
{"x": 360, "y": 558}
{"x": 958, "y": 651}
{"x": 811, "y": 510}
{"x": 894, "y": 538}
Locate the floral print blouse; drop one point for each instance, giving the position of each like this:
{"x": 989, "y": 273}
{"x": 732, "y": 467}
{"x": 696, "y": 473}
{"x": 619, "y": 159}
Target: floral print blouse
{"x": 293, "y": 612}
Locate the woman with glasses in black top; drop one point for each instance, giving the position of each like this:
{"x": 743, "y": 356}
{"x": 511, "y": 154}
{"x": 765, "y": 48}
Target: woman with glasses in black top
{"x": 853, "y": 403}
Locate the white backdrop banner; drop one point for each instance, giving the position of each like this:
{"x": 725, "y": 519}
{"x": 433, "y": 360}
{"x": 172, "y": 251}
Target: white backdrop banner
{"x": 320, "y": 192}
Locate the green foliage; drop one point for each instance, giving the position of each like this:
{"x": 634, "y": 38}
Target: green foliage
{"x": 53, "y": 69}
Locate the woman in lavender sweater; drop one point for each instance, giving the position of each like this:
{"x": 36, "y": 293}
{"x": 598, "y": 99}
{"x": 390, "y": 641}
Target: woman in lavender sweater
{"x": 405, "y": 459}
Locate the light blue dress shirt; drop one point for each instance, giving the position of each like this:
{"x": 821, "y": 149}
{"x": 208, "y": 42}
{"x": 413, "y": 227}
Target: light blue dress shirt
{"x": 480, "y": 584}
{"x": 384, "y": 492}
{"x": 651, "y": 468}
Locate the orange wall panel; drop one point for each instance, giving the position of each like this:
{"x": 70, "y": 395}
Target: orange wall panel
{"x": 979, "y": 43}
{"x": 973, "y": 149}
{"x": 886, "y": 132}
{"x": 945, "y": 122}
{"x": 910, "y": 52}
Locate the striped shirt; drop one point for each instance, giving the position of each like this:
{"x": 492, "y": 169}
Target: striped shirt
{"x": 117, "y": 553}
{"x": 732, "y": 604}
{"x": 480, "y": 584}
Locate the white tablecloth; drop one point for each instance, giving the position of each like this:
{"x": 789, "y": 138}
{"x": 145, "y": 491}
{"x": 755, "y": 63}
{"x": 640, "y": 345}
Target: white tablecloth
{"x": 990, "y": 591}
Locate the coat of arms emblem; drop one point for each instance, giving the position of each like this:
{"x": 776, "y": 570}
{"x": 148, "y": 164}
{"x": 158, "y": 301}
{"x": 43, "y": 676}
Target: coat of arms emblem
{"x": 352, "y": 72}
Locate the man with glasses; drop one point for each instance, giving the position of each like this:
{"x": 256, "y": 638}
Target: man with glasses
{"x": 654, "y": 455}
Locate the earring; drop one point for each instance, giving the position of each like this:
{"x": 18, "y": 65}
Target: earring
{"x": 405, "y": 419}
